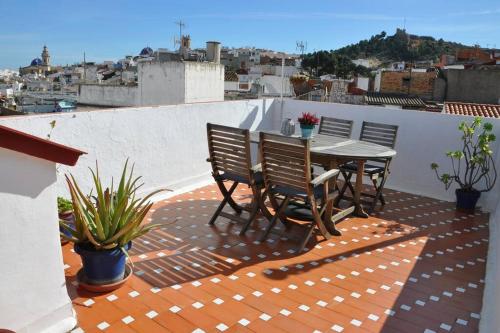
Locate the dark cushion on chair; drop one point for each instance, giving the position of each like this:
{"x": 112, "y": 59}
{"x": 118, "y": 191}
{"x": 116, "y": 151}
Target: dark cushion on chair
{"x": 318, "y": 192}
{"x": 369, "y": 168}
{"x": 241, "y": 179}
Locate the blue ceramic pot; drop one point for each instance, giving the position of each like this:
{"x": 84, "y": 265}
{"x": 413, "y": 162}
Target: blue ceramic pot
{"x": 103, "y": 266}
{"x": 467, "y": 200}
{"x": 307, "y": 131}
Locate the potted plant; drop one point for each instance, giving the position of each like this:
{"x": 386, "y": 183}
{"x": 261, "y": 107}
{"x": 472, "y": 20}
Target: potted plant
{"x": 473, "y": 167}
{"x": 307, "y": 122}
{"x": 65, "y": 210}
{"x": 105, "y": 225}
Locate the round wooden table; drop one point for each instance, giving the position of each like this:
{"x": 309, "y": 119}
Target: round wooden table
{"x": 332, "y": 151}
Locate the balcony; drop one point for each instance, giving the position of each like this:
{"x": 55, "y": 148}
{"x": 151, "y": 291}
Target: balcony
{"x": 414, "y": 266}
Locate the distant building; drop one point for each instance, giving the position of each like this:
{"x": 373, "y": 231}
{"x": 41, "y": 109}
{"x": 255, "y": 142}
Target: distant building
{"x": 414, "y": 82}
{"x": 468, "y": 85}
{"x": 160, "y": 83}
{"x": 37, "y": 65}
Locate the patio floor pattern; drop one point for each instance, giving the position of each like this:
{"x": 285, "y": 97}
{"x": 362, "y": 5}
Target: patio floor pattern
{"x": 414, "y": 266}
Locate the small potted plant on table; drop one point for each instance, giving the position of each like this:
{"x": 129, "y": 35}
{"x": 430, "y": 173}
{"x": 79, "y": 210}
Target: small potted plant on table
{"x": 472, "y": 166}
{"x": 307, "y": 122}
{"x": 104, "y": 227}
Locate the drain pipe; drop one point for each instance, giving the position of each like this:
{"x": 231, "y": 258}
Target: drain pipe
{"x": 282, "y": 84}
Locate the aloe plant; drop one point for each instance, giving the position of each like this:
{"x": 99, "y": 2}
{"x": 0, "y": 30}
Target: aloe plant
{"x": 112, "y": 217}
{"x": 473, "y": 165}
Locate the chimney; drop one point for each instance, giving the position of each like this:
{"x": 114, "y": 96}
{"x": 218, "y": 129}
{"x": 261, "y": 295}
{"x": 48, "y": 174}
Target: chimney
{"x": 213, "y": 52}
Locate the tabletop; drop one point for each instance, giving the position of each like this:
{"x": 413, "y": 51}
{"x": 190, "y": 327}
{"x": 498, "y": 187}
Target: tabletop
{"x": 340, "y": 147}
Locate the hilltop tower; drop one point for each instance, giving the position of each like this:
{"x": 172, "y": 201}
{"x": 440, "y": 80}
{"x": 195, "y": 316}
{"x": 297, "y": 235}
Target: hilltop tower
{"x": 45, "y": 56}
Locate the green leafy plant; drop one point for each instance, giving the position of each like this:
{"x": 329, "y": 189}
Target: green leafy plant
{"x": 111, "y": 218}
{"x": 64, "y": 205}
{"x": 474, "y": 162}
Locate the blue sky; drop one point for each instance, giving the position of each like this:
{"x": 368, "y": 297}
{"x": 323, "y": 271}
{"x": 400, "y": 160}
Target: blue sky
{"x": 110, "y": 29}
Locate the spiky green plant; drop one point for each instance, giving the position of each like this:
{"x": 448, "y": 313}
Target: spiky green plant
{"x": 112, "y": 217}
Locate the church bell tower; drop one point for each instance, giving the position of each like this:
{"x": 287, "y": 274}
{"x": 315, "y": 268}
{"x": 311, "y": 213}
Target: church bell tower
{"x": 45, "y": 56}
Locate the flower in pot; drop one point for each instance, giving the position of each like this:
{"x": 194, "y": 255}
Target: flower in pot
{"x": 65, "y": 211}
{"x": 105, "y": 225}
{"x": 307, "y": 122}
{"x": 473, "y": 167}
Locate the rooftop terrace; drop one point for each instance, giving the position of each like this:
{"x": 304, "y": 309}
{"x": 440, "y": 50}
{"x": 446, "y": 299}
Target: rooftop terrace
{"x": 416, "y": 265}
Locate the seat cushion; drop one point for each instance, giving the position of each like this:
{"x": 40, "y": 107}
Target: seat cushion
{"x": 289, "y": 191}
{"x": 242, "y": 179}
{"x": 369, "y": 168}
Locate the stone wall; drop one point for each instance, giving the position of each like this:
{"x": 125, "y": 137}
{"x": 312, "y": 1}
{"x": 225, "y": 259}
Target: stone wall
{"x": 418, "y": 83}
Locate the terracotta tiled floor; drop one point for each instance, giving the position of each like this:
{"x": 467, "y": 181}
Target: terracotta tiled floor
{"x": 416, "y": 266}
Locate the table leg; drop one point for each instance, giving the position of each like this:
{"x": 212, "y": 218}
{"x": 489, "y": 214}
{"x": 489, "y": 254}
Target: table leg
{"x": 359, "y": 211}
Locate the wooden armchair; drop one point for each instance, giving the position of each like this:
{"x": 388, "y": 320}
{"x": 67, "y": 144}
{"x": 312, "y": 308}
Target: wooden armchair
{"x": 335, "y": 127}
{"x": 230, "y": 158}
{"x": 286, "y": 169}
{"x": 377, "y": 169}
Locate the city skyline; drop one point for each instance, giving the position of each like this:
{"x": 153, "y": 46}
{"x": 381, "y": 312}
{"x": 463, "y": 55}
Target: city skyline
{"x": 109, "y": 31}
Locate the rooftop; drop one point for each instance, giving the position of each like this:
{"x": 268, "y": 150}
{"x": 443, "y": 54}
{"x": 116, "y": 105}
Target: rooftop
{"x": 417, "y": 265}
{"x": 386, "y": 99}
{"x": 472, "y": 109}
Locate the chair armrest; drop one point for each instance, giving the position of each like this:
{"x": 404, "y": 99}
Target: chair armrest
{"x": 257, "y": 168}
{"x": 324, "y": 177}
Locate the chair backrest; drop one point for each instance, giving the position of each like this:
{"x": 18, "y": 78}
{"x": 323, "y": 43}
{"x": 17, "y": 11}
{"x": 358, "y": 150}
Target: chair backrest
{"x": 285, "y": 162}
{"x": 229, "y": 149}
{"x": 381, "y": 134}
{"x": 335, "y": 127}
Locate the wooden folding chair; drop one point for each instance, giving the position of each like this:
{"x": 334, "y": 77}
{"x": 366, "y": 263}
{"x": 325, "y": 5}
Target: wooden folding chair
{"x": 376, "y": 169}
{"x": 230, "y": 157}
{"x": 286, "y": 169}
{"x": 335, "y": 127}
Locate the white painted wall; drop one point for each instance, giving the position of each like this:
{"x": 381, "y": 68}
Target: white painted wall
{"x": 204, "y": 82}
{"x": 108, "y": 95}
{"x": 231, "y": 86}
{"x": 423, "y": 138}
{"x": 167, "y": 143}
{"x": 33, "y": 294}
{"x": 161, "y": 83}
{"x": 490, "y": 313}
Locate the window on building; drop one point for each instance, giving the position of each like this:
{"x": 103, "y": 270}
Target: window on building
{"x": 406, "y": 81}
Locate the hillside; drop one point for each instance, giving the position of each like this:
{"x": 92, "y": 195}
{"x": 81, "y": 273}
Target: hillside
{"x": 399, "y": 47}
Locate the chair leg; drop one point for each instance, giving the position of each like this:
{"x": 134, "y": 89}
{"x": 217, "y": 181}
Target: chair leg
{"x": 347, "y": 183}
{"x": 230, "y": 200}
{"x": 227, "y": 196}
{"x": 308, "y": 235}
{"x": 253, "y": 214}
{"x": 273, "y": 221}
{"x": 379, "y": 195}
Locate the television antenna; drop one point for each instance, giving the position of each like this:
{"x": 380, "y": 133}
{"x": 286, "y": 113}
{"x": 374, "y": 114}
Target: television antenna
{"x": 301, "y": 46}
{"x": 181, "y": 25}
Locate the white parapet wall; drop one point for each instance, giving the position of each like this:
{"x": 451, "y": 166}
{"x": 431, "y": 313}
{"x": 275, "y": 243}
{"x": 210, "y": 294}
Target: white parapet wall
{"x": 108, "y": 95}
{"x": 423, "y": 138}
{"x": 167, "y": 143}
{"x": 33, "y": 296}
